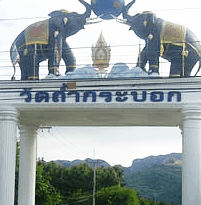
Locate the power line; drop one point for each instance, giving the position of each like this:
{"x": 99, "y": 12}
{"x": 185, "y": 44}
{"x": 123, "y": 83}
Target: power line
{"x": 22, "y": 18}
{"x": 113, "y": 46}
{"x": 45, "y": 17}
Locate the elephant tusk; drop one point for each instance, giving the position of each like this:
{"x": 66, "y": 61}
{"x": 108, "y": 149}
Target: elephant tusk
{"x": 65, "y": 21}
{"x": 91, "y": 19}
{"x": 87, "y": 23}
{"x": 88, "y": 20}
{"x": 123, "y": 21}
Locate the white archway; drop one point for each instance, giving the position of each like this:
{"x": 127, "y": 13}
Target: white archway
{"x": 160, "y": 102}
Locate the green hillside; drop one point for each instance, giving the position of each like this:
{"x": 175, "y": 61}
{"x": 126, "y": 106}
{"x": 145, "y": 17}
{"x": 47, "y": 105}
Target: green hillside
{"x": 59, "y": 185}
{"x": 161, "y": 183}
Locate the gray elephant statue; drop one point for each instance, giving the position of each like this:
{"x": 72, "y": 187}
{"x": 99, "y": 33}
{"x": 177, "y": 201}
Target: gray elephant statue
{"x": 47, "y": 40}
{"x": 172, "y": 42}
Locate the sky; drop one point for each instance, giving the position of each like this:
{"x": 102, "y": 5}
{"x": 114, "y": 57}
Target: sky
{"x": 116, "y": 145}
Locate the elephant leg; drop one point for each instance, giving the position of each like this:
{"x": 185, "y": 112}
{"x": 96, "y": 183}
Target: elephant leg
{"x": 142, "y": 59}
{"x": 55, "y": 53}
{"x": 52, "y": 69}
{"x": 176, "y": 67}
{"x": 153, "y": 66}
{"x": 68, "y": 57}
{"x": 177, "y": 64}
{"x": 24, "y": 70}
{"x": 190, "y": 62}
{"x": 29, "y": 64}
{"x": 153, "y": 56}
{"x": 174, "y": 55}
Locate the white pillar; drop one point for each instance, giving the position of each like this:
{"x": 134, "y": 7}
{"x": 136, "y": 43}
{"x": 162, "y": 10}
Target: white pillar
{"x": 191, "y": 159}
{"x": 8, "y": 138}
{"x": 27, "y": 165}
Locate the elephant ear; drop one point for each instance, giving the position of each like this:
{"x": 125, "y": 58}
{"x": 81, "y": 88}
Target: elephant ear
{"x": 149, "y": 18}
{"x": 56, "y": 14}
{"x": 57, "y": 17}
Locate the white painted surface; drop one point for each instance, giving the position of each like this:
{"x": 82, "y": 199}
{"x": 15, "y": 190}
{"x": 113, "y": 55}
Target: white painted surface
{"x": 97, "y": 113}
{"x": 8, "y": 137}
{"x": 191, "y": 158}
{"x": 89, "y": 113}
{"x": 27, "y": 167}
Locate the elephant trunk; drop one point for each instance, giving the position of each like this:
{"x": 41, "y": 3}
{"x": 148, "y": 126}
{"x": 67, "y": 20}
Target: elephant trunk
{"x": 88, "y": 9}
{"x": 125, "y": 12}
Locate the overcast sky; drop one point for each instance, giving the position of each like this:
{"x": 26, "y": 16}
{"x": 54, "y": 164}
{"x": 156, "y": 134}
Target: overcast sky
{"x": 115, "y": 145}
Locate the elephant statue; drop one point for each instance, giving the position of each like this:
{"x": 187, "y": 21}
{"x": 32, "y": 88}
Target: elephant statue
{"x": 47, "y": 40}
{"x": 170, "y": 41}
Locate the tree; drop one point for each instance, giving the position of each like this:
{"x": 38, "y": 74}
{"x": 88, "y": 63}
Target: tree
{"x": 46, "y": 194}
{"x": 57, "y": 185}
{"x": 107, "y": 177}
{"x": 117, "y": 196}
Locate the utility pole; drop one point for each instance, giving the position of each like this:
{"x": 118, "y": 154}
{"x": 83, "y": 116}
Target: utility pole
{"x": 41, "y": 128}
{"x": 94, "y": 188}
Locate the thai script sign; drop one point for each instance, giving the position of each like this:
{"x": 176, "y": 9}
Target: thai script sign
{"x": 65, "y": 95}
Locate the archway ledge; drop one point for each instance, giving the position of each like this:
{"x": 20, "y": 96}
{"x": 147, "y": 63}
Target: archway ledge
{"x": 119, "y": 102}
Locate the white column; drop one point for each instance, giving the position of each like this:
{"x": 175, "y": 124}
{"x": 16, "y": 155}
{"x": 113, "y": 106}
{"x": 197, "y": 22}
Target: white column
{"x": 27, "y": 165}
{"x": 8, "y": 138}
{"x": 191, "y": 159}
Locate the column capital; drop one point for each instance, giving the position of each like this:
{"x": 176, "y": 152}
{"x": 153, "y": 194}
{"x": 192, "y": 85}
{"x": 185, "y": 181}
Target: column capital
{"x": 32, "y": 128}
{"x": 8, "y": 113}
{"x": 191, "y": 113}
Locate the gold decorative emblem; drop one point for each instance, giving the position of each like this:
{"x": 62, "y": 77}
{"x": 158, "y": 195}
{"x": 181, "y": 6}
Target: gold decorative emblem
{"x": 101, "y": 53}
{"x": 145, "y": 23}
{"x": 116, "y": 5}
{"x": 150, "y": 36}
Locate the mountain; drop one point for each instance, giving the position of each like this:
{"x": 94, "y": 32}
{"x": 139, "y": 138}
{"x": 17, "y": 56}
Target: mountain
{"x": 90, "y": 162}
{"x": 160, "y": 183}
{"x": 148, "y": 162}
{"x": 156, "y": 177}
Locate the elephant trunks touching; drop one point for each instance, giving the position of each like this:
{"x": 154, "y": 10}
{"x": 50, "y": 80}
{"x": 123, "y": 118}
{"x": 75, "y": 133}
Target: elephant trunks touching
{"x": 37, "y": 33}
